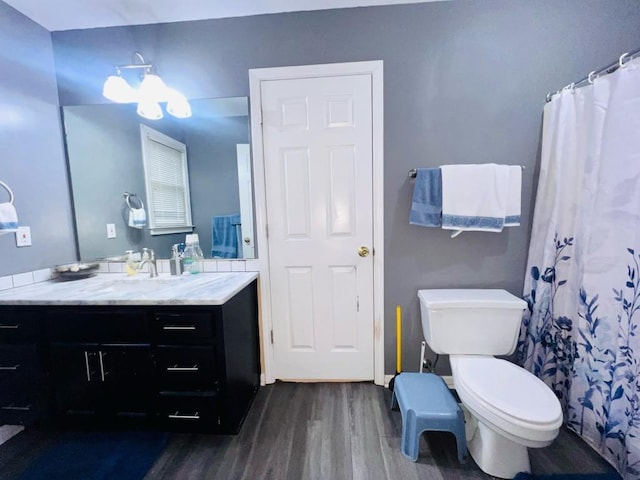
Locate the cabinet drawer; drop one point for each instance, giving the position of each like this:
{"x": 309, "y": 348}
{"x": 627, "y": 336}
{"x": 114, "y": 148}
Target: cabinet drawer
{"x": 18, "y": 372}
{"x": 12, "y": 356}
{"x": 88, "y": 325}
{"x": 184, "y": 368}
{"x": 188, "y": 327}
{"x": 18, "y": 327}
{"x": 18, "y": 413}
{"x": 189, "y": 412}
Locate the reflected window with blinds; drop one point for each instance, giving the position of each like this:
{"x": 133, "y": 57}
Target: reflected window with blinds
{"x": 167, "y": 183}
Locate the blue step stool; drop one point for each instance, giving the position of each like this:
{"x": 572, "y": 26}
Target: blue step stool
{"x": 426, "y": 404}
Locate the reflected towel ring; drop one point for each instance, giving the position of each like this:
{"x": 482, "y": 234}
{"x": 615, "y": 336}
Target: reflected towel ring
{"x": 127, "y": 197}
{"x": 11, "y": 196}
{"x": 621, "y": 60}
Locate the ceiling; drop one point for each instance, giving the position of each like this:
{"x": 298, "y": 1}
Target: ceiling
{"x": 78, "y": 14}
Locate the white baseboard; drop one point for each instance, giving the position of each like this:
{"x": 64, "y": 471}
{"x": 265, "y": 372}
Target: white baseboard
{"x": 448, "y": 379}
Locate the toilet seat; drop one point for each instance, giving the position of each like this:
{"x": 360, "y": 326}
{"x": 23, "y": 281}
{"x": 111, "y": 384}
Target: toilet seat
{"x": 509, "y": 397}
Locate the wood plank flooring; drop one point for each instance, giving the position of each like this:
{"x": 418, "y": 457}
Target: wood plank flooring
{"x": 336, "y": 431}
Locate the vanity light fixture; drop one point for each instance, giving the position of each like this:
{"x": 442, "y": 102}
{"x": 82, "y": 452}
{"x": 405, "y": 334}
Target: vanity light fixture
{"x": 149, "y": 95}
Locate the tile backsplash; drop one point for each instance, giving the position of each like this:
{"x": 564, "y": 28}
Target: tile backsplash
{"x": 210, "y": 266}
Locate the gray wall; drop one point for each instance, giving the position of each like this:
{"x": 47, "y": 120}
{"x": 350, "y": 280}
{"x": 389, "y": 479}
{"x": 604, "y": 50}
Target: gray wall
{"x": 465, "y": 82}
{"x": 32, "y": 161}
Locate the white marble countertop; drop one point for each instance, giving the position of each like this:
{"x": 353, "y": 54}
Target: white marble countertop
{"x": 120, "y": 289}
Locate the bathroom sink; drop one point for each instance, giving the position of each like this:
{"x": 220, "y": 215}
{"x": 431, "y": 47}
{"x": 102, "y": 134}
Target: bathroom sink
{"x": 141, "y": 283}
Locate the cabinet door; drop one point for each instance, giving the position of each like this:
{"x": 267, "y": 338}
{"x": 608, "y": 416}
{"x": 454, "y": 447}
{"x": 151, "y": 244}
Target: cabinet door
{"x": 126, "y": 372}
{"x": 75, "y": 373}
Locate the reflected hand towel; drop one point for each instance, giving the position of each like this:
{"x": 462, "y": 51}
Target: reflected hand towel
{"x": 8, "y": 218}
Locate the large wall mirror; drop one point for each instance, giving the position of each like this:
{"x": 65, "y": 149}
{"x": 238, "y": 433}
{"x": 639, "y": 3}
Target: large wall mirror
{"x": 105, "y": 163}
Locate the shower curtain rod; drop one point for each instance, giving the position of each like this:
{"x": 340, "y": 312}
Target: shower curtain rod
{"x": 625, "y": 57}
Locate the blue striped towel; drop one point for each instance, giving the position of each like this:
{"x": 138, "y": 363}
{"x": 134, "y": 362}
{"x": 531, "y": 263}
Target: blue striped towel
{"x": 474, "y": 197}
{"x": 225, "y": 236}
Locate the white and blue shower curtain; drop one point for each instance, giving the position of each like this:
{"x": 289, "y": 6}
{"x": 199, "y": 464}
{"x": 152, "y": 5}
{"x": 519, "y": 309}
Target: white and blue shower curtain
{"x": 581, "y": 333}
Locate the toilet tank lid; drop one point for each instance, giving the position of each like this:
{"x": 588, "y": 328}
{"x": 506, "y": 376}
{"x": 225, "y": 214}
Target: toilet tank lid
{"x": 470, "y": 298}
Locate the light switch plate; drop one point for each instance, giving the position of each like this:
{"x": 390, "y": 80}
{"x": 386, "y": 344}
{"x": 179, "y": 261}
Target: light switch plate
{"x": 111, "y": 230}
{"x": 23, "y": 237}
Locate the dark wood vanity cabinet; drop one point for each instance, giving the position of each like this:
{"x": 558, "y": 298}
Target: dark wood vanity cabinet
{"x": 207, "y": 363}
{"x": 189, "y": 368}
{"x": 22, "y": 396}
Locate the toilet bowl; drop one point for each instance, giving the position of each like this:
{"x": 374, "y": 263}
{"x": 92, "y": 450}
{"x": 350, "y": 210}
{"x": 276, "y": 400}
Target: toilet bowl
{"x": 511, "y": 410}
{"x": 507, "y": 409}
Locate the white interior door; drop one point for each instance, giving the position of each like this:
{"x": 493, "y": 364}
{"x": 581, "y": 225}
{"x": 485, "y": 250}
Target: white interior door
{"x": 317, "y": 141}
{"x": 245, "y": 188}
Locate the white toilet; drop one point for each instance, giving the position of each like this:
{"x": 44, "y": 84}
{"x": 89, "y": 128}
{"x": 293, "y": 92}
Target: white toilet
{"x": 507, "y": 408}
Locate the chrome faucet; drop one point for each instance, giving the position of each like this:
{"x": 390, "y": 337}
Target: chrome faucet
{"x": 149, "y": 258}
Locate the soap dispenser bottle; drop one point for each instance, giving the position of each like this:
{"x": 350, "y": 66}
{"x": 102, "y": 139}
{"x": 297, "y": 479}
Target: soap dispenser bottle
{"x": 131, "y": 267}
{"x": 175, "y": 263}
{"x": 193, "y": 255}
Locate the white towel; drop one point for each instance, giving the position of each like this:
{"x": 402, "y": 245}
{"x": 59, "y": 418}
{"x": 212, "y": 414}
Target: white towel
{"x": 8, "y": 218}
{"x": 514, "y": 197}
{"x": 137, "y": 217}
{"x": 474, "y": 197}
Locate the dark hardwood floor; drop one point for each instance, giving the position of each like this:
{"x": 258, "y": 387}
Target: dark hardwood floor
{"x": 336, "y": 431}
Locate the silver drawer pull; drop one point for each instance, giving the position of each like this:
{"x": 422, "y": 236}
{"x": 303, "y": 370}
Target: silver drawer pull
{"x": 178, "y": 327}
{"x": 195, "y": 416}
{"x": 9, "y": 327}
{"x": 14, "y": 407}
{"x": 15, "y": 367}
{"x": 183, "y": 369}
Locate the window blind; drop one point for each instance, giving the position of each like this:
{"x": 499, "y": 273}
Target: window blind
{"x": 167, "y": 183}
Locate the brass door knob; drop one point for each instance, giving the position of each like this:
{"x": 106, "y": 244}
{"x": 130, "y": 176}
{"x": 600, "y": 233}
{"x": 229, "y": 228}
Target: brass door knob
{"x": 363, "y": 251}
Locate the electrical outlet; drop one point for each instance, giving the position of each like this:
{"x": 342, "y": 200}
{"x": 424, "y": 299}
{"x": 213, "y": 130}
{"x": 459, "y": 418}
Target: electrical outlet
{"x": 111, "y": 230}
{"x": 23, "y": 237}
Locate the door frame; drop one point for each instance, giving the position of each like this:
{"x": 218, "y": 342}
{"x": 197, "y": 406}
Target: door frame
{"x": 256, "y": 76}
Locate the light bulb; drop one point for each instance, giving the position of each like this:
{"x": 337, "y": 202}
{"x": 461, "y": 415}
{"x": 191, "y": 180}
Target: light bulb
{"x": 118, "y": 90}
{"x": 149, "y": 110}
{"x": 177, "y": 105}
{"x": 153, "y": 89}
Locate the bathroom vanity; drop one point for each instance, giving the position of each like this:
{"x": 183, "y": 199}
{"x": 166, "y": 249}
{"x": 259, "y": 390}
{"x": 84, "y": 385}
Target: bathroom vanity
{"x": 176, "y": 353}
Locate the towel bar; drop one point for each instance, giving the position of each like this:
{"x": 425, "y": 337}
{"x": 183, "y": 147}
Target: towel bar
{"x": 414, "y": 171}
{"x": 8, "y": 190}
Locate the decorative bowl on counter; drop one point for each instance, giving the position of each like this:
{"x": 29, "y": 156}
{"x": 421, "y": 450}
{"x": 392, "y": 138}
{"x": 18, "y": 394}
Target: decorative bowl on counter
{"x": 74, "y": 271}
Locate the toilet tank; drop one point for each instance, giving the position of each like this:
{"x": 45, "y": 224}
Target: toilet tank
{"x": 471, "y": 321}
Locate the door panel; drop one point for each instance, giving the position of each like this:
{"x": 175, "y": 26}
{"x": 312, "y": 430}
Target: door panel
{"x": 75, "y": 374}
{"x": 318, "y": 178}
{"x": 127, "y": 376}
